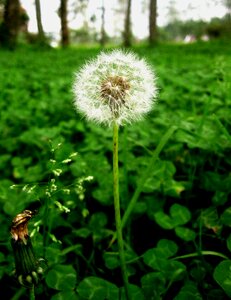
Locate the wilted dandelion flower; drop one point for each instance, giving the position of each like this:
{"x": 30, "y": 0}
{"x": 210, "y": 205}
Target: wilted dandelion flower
{"x": 28, "y": 269}
{"x": 115, "y": 87}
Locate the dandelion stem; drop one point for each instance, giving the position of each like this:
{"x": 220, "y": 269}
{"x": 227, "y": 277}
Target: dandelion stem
{"x": 117, "y": 209}
{"x": 32, "y": 294}
{"x": 143, "y": 179}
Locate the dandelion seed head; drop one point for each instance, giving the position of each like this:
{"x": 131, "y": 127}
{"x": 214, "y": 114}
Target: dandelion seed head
{"x": 115, "y": 87}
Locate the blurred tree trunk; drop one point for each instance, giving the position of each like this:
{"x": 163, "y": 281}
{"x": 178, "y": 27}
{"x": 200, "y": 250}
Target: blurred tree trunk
{"x": 127, "y": 26}
{"x": 11, "y": 24}
{"x": 65, "y": 41}
{"x": 103, "y": 32}
{"x": 39, "y": 21}
{"x": 227, "y": 4}
{"x": 152, "y": 22}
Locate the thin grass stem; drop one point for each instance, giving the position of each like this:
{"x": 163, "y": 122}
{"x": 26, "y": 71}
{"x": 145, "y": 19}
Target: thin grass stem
{"x": 203, "y": 252}
{"x": 139, "y": 188}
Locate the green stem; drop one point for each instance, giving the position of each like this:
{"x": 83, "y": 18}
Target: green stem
{"x": 18, "y": 294}
{"x": 143, "y": 179}
{"x": 222, "y": 127}
{"x": 45, "y": 225}
{"x": 117, "y": 209}
{"x": 195, "y": 254}
{"x": 32, "y": 293}
{"x": 203, "y": 252}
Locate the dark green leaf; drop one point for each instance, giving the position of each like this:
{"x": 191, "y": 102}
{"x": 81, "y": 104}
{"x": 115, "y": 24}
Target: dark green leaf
{"x": 164, "y": 220}
{"x": 61, "y": 277}
{"x": 180, "y": 214}
{"x": 70, "y": 295}
{"x": 189, "y": 292}
{"x": 226, "y": 217}
{"x": 229, "y": 243}
{"x": 135, "y": 293}
{"x": 153, "y": 285}
{"x": 167, "y": 247}
{"x": 222, "y": 275}
{"x": 95, "y": 288}
{"x": 185, "y": 234}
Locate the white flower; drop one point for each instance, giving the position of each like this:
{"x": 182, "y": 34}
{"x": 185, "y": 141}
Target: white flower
{"x": 115, "y": 87}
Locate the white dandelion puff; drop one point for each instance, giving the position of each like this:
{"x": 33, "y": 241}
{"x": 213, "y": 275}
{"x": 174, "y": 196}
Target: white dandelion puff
{"x": 115, "y": 87}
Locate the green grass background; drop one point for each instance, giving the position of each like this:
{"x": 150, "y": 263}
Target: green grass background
{"x": 183, "y": 207}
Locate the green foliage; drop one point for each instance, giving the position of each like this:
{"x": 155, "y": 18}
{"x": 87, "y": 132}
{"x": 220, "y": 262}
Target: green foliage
{"x": 96, "y": 289}
{"x": 175, "y": 164}
{"x": 61, "y": 277}
{"x": 222, "y": 275}
{"x": 178, "y": 30}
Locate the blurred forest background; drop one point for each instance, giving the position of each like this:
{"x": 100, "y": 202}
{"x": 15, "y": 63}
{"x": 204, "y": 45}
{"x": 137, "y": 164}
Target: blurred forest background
{"x": 14, "y": 20}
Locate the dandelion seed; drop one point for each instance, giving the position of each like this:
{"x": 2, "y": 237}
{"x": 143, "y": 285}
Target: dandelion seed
{"x": 115, "y": 87}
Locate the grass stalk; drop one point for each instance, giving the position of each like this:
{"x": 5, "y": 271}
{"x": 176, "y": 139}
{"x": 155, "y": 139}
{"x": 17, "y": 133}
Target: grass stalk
{"x": 117, "y": 209}
{"x": 203, "y": 252}
{"x": 139, "y": 188}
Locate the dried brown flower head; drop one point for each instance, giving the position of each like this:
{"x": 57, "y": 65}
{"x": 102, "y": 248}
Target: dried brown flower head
{"x": 28, "y": 269}
{"x": 19, "y": 230}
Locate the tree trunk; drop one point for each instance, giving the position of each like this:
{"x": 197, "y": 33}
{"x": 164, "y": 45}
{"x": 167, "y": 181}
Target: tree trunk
{"x": 152, "y": 22}
{"x": 11, "y": 23}
{"x": 64, "y": 25}
{"x": 103, "y": 33}
{"x": 127, "y": 26}
{"x": 39, "y": 21}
